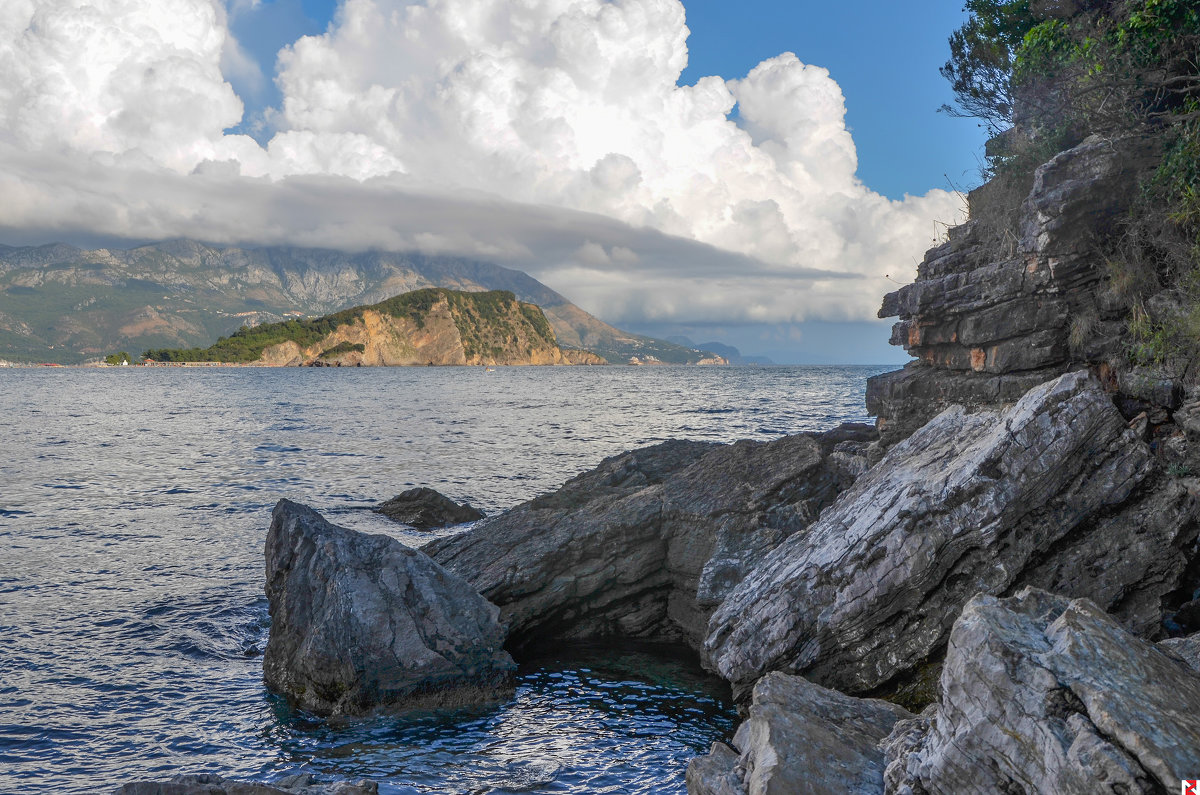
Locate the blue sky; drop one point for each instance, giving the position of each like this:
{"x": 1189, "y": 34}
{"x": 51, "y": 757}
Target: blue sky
{"x": 768, "y": 198}
{"x": 884, "y": 55}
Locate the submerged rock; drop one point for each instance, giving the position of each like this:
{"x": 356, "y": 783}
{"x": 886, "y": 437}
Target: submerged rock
{"x": 426, "y": 509}
{"x": 1044, "y": 694}
{"x": 359, "y": 621}
{"x": 800, "y": 737}
{"x": 209, "y": 784}
{"x": 649, "y": 542}
{"x": 971, "y": 503}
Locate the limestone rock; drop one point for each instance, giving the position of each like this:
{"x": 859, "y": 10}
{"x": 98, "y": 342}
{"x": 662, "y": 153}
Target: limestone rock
{"x": 986, "y": 324}
{"x": 869, "y": 591}
{"x": 800, "y": 737}
{"x": 209, "y": 784}
{"x": 1043, "y": 694}
{"x": 648, "y": 543}
{"x": 359, "y": 621}
{"x": 904, "y": 400}
{"x": 1079, "y": 192}
{"x": 1186, "y": 649}
{"x": 425, "y": 509}
{"x": 1129, "y": 561}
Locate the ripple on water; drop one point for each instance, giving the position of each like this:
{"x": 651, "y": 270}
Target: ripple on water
{"x": 131, "y": 586}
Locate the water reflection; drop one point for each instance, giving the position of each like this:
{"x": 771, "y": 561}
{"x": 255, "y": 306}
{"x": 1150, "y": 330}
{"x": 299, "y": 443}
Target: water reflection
{"x": 133, "y": 508}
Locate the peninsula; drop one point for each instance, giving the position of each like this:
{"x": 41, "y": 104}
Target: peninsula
{"x": 433, "y": 326}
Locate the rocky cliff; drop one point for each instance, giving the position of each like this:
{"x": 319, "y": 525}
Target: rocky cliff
{"x": 424, "y": 327}
{"x": 987, "y": 322}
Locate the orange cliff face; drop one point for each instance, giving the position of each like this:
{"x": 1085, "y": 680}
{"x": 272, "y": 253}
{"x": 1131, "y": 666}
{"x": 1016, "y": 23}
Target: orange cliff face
{"x": 450, "y": 332}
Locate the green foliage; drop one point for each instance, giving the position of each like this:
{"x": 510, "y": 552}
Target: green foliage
{"x": 116, "y": 359}
{"x": 343, "y": 347}
{"x": 1110, "y": 67}
{"x": 537, "y": 320}
{"x": 1151, "y": 342}
{"x": 1177, "y": 180}
{"x": 485, "y": 322}
{"x": 982, "y": 53}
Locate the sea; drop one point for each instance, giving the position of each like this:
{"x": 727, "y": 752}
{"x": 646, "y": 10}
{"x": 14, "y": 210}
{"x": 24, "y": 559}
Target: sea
{"x": 134, "y": 503}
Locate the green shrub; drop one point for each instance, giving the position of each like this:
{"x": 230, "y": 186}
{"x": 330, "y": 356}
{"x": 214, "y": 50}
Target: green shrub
{"x": 484, "y": 321}
{"x": 343, "y": 347}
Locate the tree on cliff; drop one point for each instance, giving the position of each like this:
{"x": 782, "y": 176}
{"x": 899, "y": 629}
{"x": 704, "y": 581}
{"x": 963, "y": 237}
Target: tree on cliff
{"x": 982, "y": 54}
{"x": 1045, "y": 74}
{"x": 1069, "y": 68}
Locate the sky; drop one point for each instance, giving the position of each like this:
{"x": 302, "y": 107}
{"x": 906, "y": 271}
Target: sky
{"x": 755, "y": 173}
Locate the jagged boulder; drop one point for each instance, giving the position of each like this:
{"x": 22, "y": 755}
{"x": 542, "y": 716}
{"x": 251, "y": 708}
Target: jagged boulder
{"x": 425, "y": 509}
{"x": 800, "y": 737}
{"x": 359, "y": 621}
{"x": 970, "y": 503}
{"x": 648, "y": 543}
{"x": 210, "y": 784}
{"x": 1044, "y": 694}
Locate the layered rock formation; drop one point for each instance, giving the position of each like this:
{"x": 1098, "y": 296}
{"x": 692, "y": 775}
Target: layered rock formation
{"x": 648, "y": 543}
{"x": 987, "y": 320}
{"x": 425, "y": 509}
{"x": 1055, "y": 490}
{"x": 359, "y": 621}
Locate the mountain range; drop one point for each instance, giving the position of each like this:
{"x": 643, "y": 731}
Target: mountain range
{"x": 60, "y": 303}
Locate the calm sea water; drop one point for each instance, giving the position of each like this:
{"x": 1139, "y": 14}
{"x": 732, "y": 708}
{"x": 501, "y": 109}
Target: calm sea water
{"x": 133, "y": 508}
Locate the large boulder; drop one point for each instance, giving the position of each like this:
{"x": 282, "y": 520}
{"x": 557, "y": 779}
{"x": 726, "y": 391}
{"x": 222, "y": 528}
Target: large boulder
{"x": 359, "y": 621}
{"x": 649, "y": 542}
{"x": 426, "y": 509}
{"x": 1044, "y": 694}
{"x": 211, "y": 784}
{"x": 971, "y": 503}
{"x": 800, "y": 737}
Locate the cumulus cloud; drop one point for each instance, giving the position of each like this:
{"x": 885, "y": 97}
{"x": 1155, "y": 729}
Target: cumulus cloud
{"x": 551, "y": 135}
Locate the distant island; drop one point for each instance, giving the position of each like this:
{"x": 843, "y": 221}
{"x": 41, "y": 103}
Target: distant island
{"x": 432, "y": 326}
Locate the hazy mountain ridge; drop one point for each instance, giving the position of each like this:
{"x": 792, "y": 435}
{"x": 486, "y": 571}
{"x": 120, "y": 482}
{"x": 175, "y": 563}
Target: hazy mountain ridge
{"x": 62, "y": 303}
{"x": 727, "y": 352}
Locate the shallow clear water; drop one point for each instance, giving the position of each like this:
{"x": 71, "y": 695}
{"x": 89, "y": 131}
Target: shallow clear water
{"x": 133, "y": 508}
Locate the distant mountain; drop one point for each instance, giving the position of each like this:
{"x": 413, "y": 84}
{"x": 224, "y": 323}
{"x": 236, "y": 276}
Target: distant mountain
{"x": 429, "y": 326}
{"x": 728, "y": 352}
{"x": 63, "y": 304}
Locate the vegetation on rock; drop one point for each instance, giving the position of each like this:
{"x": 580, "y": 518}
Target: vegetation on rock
{"x": 486, "y": 321}
{"x": 1043, "y": 76}
{"x": 342, "y": 347}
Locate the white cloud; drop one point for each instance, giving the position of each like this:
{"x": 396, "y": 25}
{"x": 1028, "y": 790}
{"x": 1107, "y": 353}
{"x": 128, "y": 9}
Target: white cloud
{"x": 552, "y": 115}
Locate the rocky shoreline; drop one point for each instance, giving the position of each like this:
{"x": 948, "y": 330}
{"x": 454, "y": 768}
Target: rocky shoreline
{"x": 994, "y": 590}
